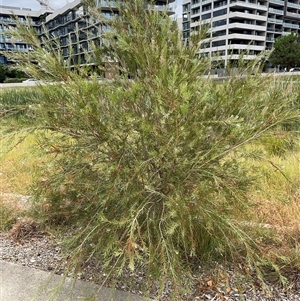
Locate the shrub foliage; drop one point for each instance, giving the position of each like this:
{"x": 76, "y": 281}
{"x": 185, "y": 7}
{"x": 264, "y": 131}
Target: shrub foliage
{"x": 144, "y": 171}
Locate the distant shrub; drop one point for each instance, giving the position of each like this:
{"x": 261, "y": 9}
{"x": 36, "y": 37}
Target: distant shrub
{"x": 14, "y": 80}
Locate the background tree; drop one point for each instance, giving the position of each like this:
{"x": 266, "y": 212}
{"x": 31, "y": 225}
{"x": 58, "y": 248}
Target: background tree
{"x": 286, "y": 51}
{"x": 14, "y": 72}
{"x": 3, "y": 71}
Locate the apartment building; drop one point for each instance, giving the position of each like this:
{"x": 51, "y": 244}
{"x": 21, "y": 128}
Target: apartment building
{"x": 74, "y": 27}
{"x": 71, "y": 25}
{"x": 7, "y": 43}
{"x": 240, "y": 26}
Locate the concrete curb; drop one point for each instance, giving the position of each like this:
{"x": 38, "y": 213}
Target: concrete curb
{"x": 21, "y": 283}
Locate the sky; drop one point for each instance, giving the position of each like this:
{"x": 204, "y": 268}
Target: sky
{"x": 34, "y": 5}
{"x": 178, "y": 6}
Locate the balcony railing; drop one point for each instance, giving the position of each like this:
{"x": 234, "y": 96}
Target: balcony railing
{"x": 276, "y": 11}
{"x": 162, "y": 7}
{"x": 108, "y": 3}
{"x": 249, "y": 3}
{"x": 196, "y": 5}
{"x": 290, "y": 25}
{"x": 295, "y": 15}
{"x": 293, "y": 5}
{"x": 274, "y": 30}
{"x": 272, "y": 20}
{"x": 277, "y": 2}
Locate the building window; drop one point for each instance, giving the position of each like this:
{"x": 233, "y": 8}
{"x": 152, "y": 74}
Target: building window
{"x": 220, "y": 3}
{"x": 218, "y": 53}
{"x": 186, "y": 25}
{"x": 206, "y": 8}
{"x": 3, "y": 60}
{"x": 206, "y": 16}
{"x": 220, "y": 12}
{"x": 219, "y": 33}
{"x": 218, "y": 43}
{"x": 186, "y": 7}
{"x": 219, "y": 23}
{"x": 186, "y": 34}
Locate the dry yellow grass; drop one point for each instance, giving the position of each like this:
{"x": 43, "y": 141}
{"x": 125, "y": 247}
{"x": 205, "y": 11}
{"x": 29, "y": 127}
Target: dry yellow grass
{"x": 278, "y": 201}
{"x": 276, "y": 211}
{"x": 16, "y": 175}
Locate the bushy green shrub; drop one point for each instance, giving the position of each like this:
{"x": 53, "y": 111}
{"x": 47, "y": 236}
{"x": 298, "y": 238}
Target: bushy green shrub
{"x": 14, "y": 80}
{"x": 143, "y": 172}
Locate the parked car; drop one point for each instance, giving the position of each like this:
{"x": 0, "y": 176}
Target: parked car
{"x": 30, "y": 80}
{"x": 295, "y": 69}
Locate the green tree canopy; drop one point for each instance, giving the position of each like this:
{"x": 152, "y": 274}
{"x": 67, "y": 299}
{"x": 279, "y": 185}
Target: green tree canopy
{"x": 3, "y": 71}
{"x": 286, "y": 51}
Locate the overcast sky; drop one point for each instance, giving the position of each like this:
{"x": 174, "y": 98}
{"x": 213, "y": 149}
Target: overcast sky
{"x": 178, "y": 5}
{"x": 34, "y": 5}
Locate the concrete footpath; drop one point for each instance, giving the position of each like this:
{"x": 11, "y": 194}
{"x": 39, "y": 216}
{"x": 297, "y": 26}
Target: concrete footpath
{"x": 21, "y": 283}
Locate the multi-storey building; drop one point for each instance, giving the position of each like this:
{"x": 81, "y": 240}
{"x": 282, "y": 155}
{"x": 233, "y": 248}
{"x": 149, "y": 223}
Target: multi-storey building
{"x": 240, "y": 26}
{"x": 7, "y": 43}
{"x": 71, "y": 26}
{"x": 75, "y": 28}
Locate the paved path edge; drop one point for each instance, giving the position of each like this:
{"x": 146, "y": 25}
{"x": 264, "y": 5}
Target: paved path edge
{"x": 21, "y": 283}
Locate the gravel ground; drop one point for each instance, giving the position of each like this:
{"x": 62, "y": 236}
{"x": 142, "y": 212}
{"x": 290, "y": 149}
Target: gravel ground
{"x": 39, "y": 251}
{"x": 26, "y": 245}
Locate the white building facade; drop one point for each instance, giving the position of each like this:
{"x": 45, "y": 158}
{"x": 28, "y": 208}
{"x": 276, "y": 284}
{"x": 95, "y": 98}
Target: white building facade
{"x": 7, "y": 43}
{"x": 71, "y": 25}
{"x": 240, "y": 26}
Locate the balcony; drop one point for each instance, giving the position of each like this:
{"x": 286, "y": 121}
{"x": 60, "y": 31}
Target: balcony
{"x": 167, "y": 8}
{"x": 290, "y": 25}
{"x": 275, "y": 11}
{"x": 195, "y": 5}
{"x": 246, "y": 46}
{"x": 196, "y": 23}
{"x": 246, "y": 15}
{"x": 246, "y": 26}
{"x": 273, "y": 20}
{"x": 274, "y": 30}
{"x": 245, "y": 56}
{"x": 293, "y": 15}
{"x": 104, "y": 3}
{"x": 195, "y": 14}
{"x": 279, "y": 2}
{"x": 241, "y": 36}
{"x": 249, "y": 4}
{"x": 293, "y": 5}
